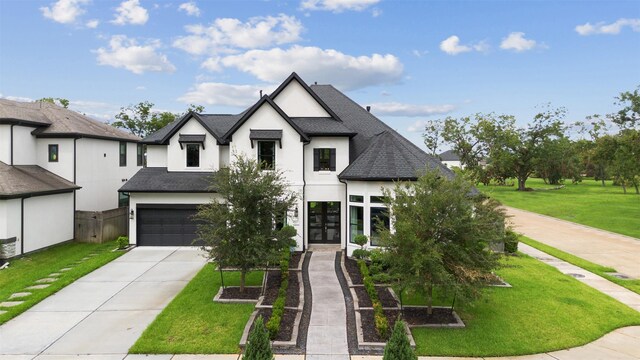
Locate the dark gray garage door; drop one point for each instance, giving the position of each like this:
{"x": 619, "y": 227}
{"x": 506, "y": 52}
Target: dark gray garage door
{"x": 166, "y": 225}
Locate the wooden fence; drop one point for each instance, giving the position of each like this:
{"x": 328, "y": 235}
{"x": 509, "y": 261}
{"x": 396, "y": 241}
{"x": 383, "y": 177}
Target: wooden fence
{"x": 101, "y": 226}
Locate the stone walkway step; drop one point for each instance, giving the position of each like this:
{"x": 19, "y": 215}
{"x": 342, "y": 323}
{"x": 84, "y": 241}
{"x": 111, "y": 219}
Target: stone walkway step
{"x": 19, "y": 295}
{"x": 7, "y": 304}
{"x": 38, "y": 287}
{"x": 599, "y": 283}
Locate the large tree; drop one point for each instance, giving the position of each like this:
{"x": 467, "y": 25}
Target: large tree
{"x": 56, "y": 101}
{"x": 240, "y": 225}
{"x": 442, "y": 236}
{"x": 141, "y": 120}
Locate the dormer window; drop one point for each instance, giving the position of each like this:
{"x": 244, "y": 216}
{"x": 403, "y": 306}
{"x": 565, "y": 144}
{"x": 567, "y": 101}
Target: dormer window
{"x": 324, "y": 159}
{"x": 193, "y": 155}
{"x": 267, "y": 155}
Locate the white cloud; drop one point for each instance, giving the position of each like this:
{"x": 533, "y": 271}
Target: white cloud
{"x": 516, "y": 41}
{"x": 130, "y": 12}
{"x": 93, "y": 23}
{"x": 417, "y": 126}
{"x": 227, "y": 34}
{"x": 315, "y": 64}
{"x": 126, "y": 53}
{"x": 214, "y": 93}
{"x": 410, "y": 110}
{"x": 419, "y": 53}
{"x": 375, "y": 12}
{"x": 64, "y": 11}
{"x": 212, "y": 64}
{"x": 451, "y": 46}
{"x": 337, "y": 6}
{"x": 141, "y": 88}
{"x": 608, "y": 29}
{"x": 16, "y": 98}
{"x": 190, "y": 8}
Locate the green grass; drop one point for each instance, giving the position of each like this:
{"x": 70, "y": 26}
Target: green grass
{"x": 193, "y": 324}
{"x": 586, "y": 203}
{"x": 544, "y": 311}
{"x": 633, "y": 285}
{"x": 24, "y": 271}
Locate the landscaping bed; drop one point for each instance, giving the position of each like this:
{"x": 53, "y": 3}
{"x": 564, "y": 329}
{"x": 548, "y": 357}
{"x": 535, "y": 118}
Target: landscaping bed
{"x": 370, "y": 335}
{"x": 286, "y": 326}
{"x": 353, "y": 272}
{"x": 384, "y": 294}
{"x": 273, "y": 284}
{"x": 295, "y": 263}
{"x": 233, "y": 293}
{"x": 440, "y": 316}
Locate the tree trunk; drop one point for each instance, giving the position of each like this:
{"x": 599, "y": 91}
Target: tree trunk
{"x": 521, "y": 184}
{"x": 637, "y": 189}
{"x": 624, "y": 189}
{"x": 430, "y": 300}
{"x": 243, "y": 275}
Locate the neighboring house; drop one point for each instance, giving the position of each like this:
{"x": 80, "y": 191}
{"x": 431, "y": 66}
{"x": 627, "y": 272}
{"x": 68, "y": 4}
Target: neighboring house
{"x": 451, "y": 159}
{"x": 335, "y": 155}
{"x": 54, "y": 161}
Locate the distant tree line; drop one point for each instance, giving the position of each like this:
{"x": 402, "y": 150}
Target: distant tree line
{"x": 492, "y": 148}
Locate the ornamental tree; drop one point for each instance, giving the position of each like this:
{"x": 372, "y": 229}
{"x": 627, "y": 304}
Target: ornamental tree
{"x": 239, "y": 227}
{"x": 443, "y": 232}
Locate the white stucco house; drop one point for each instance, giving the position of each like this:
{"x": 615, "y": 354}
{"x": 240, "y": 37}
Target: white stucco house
{"x": 54, "y": 161}
{"x": 335, "y": 155}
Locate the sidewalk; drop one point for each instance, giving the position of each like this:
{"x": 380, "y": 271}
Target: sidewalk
{"x": 599, "y": 246}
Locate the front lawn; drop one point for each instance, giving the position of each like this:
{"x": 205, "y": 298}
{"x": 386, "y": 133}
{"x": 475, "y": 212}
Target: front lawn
{"x": 544, "y": 311}
{"x": 23, "y": 272}
{"x": 194, "y": 324}
{"x": 633, "y": 285}
{"x": 586, "y": 203}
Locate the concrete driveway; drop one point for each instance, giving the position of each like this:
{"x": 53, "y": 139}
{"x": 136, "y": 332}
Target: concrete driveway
{"x": 105, "y": 311}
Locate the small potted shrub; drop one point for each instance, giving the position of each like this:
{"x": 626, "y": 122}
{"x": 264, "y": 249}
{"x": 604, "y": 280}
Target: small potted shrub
{"x": 361, "y": 254}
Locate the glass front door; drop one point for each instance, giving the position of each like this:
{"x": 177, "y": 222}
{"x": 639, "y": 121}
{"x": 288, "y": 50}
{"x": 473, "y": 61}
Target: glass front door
{"x": 324, "y": 222}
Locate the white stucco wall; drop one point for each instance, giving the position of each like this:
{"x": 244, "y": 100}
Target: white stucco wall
{"x": 341, "y": 144}
{"x": 365, "y": 189}
{"x": 99, "y": 173}
{"x": 24, "y": 146}
{"x": 225, "y": 155}
{"x": 288, "y": 159}
{"x": 48, "y": 220}
{"x": 5, "y": 144}
{"x": 156, "y": 155}
{"x": 64, "y": 166}
{"x": 177, "y": 157}
{"x": 452, "y": 164}
{"x": 295, "y": 101}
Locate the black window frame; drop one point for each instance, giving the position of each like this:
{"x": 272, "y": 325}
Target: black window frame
{"x": 263, "y": 159}
{"x": 356, "y": 198}
{"x": 122, "y": 154}
{"x": 324, "y": 159}
{"x": 197, "y": 161}
{"x": 56, "y": 152}
{"x": 359, "y": 223}
{"x": 374, "y": 233}
{"x": 377, "y": 199}
{"x": 123, "y": 199}
{"x": 140, "y": 155}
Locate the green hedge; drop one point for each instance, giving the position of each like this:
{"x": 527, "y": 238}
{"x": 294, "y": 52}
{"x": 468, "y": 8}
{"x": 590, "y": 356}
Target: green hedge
{"x": 273, "y": 325}
{"x": 382, "y": 325}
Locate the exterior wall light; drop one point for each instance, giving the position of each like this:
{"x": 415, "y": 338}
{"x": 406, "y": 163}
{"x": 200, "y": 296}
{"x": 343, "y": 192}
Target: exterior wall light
{"x": 131, "y": 214}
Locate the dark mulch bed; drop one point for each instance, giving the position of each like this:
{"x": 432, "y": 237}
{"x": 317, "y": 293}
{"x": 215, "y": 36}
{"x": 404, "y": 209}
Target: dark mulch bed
{"x": 419, "y": 316}
{"x": 294, "y": 262}
{"x": 353, "y": 271}
{"x": 233, "y": 292}
{"x": 369, "y": 331}
{"x": 273, "y": 285}
{"x": 384, "y": 295}
{"x": 286, "y": 326}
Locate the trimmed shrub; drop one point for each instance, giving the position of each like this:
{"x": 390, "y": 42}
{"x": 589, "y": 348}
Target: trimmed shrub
{"x": 360, "y": 254}
{"x": 398, "y": 347}
{"x": 510, "y": 242}
{"x": 273, "y": 325}
{"x": 258, "y": 345}
{"x": 123, "y": 242}
{"x": 380, "y": 319}
{"x": 360, "y": 240}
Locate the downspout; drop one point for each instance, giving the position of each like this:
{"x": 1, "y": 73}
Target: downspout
{"x": 22, "y": 226}
{"x": 11, "y": 143}
{"x": 304, "y": 206}
{"x": 348, "y": 214}
{"x": 75, "y": 190}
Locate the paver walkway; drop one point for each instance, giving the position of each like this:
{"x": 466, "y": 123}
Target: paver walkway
{"x": 599, "y": 246}
{"x": 327, "y": 335}
{"x": 601, "y": 284}
{"x": 104, "y": 312}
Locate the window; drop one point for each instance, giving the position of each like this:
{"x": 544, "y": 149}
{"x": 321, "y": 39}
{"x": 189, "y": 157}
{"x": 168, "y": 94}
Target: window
{"x": 324, "y": 159}
{"x": 123, "y": 153}
{"x": 379, "y": 221}
{"x": 193, "y": 155}
{"x": 53, "y": 152}
{"x": 267, "y": 155}
{"x": 356, "y": 221}
{"x": 140, "y": 155}
{"x": 356, "y": 198}
{"x": 123, "y": 200}
{"x": 377, "y": 199}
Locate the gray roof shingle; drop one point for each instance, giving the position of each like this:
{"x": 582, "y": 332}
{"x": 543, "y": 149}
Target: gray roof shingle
{"x": 27, "y": 180}
{"x": 258, "y": 134}
{"x": 158, "y": 179}
{"x": 56, "y": 121}
{"x": 449, "y": 155}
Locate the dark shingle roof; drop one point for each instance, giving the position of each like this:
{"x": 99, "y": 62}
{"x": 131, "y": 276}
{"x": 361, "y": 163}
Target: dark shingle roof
{"x": 27, "y": 180}
{"x": 158, "y": 179}
{"x": 449, "y": 155}
{"x": 265, "y": 134}
{"x": 322, "y": 126}
{"x": 56, "y": 121}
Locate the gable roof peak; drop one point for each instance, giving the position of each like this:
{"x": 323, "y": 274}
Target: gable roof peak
{"x": 295, "y": 77}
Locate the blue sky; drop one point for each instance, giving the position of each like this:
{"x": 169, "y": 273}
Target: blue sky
{"x": 410, "y": 60}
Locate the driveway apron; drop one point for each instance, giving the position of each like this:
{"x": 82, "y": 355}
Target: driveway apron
{"x": 105, "y": 311}
{"x": 327, "y": 335}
